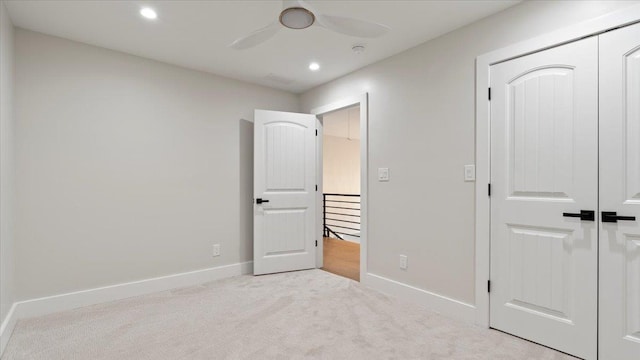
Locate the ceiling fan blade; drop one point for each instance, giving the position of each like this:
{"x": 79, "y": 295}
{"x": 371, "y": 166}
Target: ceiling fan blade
{"x": 294, "y": 3}
{"x": 255, "y": 38}
{"x": 352, "y": 27}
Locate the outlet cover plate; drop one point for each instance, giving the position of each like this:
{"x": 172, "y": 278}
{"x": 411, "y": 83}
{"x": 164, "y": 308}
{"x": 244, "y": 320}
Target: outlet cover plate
{"x": 469, "y": 173}
{"x": 404, "y": 262}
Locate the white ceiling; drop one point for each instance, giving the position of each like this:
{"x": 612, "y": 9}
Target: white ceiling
{"x": 344, "y": 123}
{"x": 196, "y": 34}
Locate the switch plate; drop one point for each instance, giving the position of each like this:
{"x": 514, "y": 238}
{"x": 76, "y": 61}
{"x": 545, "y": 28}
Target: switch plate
{"x": 469, "y": 173}
{"x": 403, "y": 262}
{"x": 383, "y": 174}
{"x": 216, "y": 250}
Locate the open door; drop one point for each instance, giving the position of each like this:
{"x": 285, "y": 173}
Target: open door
{"x": 284, "y": 215}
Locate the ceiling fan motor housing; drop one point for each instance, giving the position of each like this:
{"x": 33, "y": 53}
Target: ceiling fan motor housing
{"x": 297, "y": 18}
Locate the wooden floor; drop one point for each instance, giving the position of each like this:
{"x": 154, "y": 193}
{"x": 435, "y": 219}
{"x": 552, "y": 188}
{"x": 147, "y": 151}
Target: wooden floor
{"x": 342, "y": 258}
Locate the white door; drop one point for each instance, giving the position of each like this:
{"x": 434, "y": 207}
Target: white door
{"x": 544, "y": 171}
{"x": 620, "y": 193}
{"x": 284, "y": 192}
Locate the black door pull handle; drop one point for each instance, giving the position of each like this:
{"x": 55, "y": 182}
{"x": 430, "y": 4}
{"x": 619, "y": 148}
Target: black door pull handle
{"x": 612, "y": 217}
{"x": 584, "y": 215}
{"x": 260, "y": 201}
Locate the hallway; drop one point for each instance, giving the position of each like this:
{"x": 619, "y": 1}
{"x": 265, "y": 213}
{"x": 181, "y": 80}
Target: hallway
{"x": 342, "y": 258}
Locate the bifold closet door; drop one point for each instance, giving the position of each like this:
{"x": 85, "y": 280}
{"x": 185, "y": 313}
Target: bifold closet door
{"x": 619, "y": 312}
{"x": 544, "y": 198}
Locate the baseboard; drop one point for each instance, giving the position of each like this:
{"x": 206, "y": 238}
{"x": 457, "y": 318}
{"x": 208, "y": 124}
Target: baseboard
{"x": 62, "y": 302}
{"x": 437, "y": 303}
{"x": 6, "y": 329}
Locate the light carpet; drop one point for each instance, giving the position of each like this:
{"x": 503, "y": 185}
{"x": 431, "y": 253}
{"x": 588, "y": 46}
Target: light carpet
{"x": 307, "y": 314}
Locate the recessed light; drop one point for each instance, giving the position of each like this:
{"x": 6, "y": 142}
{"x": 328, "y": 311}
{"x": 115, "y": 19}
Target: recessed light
{"x": 314, "y": 66}
{"x": 148, "y": 13}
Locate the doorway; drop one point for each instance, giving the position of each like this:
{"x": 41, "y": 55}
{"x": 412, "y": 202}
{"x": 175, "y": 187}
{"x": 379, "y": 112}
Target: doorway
{"x": 288, "y": 220}
{"x": 341, "y": 217}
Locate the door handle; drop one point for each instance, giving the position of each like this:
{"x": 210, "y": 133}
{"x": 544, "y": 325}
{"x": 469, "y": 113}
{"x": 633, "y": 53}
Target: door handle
{"x": 584, "y": 215}
{"x": 260, "y": 201}
{"x": 612, "y": 217}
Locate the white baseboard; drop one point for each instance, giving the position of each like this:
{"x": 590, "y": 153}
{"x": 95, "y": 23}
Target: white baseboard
{"x": 62, "y": 302}
{"x": 437, "y": 303}
{"x": 6, "y": 329}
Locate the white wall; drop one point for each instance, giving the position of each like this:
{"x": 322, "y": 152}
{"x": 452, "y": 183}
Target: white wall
{"x": 7, "y": 172}
{"x": 341, "y": 151}
{"x": 341, "y": 165}
{"x": 128, "y": 168}
{"x": 342, "y": 123}
{"x": 421, "y": 126}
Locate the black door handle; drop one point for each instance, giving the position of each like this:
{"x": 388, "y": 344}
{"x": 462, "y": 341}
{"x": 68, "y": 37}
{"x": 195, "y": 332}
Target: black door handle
{"x": 260, "y": 201}
{"x": 612, "y": 217}
{"x": 584, "y": 215}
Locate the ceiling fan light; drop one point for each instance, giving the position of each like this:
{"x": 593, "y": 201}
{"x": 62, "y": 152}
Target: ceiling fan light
{"x": 297, "y": 18}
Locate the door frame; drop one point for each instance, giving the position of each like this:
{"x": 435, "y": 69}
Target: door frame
{"x": 362, "y": 101}
{"x": 620, "y": 18}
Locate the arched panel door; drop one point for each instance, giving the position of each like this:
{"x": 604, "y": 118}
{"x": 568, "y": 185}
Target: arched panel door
{"x": 544, "y": 182}
{"x": 284, "y": 191}
{"x": 620, "y": 194}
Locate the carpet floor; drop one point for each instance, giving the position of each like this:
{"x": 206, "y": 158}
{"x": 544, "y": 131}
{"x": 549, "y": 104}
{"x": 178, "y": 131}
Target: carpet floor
{"x": 306, "y": 314}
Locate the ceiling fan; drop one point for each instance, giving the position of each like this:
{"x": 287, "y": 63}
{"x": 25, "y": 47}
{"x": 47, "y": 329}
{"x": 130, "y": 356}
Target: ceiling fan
{"x": 298, "y": 15}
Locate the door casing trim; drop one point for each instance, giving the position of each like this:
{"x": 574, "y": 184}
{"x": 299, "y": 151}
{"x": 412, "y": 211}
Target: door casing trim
{"x": 362, "y": 101}
{"x": 621, "y": 18}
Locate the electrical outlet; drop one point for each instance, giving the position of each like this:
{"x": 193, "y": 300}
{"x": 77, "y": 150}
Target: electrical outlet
{"x": 469, "y": 173}
{"x": 216, "y": 250}
{"x": 403, "y": 262}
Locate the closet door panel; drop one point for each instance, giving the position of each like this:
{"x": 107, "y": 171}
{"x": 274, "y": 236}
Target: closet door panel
{"x": 544, "y": 170}
{"x": 619, "y": 270}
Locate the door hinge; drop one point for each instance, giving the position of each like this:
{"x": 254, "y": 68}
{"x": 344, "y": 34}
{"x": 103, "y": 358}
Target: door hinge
{"x": 489, "y": 189}
{"x": 316, "y": 132}
{"x": 316, "y": 243}
{"x": 488, "y": 286}
{"x": 316, "y": 187}
{"x": 489, "y": 94}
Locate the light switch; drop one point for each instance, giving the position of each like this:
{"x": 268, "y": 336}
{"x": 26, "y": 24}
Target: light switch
{"x": 469, "y": 173}
{"x": 383, "y": 174}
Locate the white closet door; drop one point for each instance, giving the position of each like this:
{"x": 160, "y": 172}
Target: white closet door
{"x": 544, "y": 169}
{"x": 620, "y": 193}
